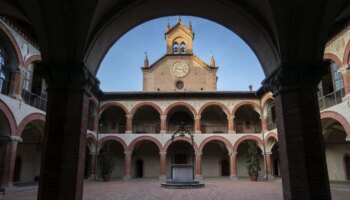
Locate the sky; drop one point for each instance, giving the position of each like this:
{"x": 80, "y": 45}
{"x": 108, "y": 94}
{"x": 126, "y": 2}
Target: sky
{"x": 120, "y": 70}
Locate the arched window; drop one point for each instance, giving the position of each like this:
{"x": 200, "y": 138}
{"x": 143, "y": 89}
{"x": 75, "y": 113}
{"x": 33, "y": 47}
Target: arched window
{"x": 4, "y": 69}
{"x": 175, "y": 48}
{"x": 183, "y": 48}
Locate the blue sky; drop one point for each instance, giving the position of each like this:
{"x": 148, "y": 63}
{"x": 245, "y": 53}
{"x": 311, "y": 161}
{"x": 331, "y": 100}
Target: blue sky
{"x": 238, "y": 65}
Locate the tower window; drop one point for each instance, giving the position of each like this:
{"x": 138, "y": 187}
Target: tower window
{"x": 183, "y": 48}
{"x": 179, "y": 85}
{"x": 175, "y": 48}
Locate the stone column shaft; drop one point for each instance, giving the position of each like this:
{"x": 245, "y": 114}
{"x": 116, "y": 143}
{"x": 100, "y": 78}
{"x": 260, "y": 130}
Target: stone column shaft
{"x": 198, "y": 164}
{"x": 127, "y": 173}
{"x": 162, "y": 167}
{"x": 16, "y": 84}
{"x": 233, "y": 165}
{"x": 267, "y": 164}
{"x": 7, "y": 163}
{"x": 129, "y": 119}
{"x": 264, "y": 124}
{"x": 231, "y": 124}
{"x": 197, "y": 124}
{"x": 93, "y": 165}
{"x": 163, "y": 127}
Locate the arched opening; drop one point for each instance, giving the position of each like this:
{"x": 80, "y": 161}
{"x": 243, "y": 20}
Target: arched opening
{"x": 175, "y": 48}
{"x": 213, "y": 159}
{"x": 269, "y": 110}
{"x": 29, "y": 152}
{"x": 118, "y": 153}
{"x": 113, "y": 120}
{"x": 8, "y": 60}
{"x": 242, "y": 158}
{"x": 145, "y": 159}
{"x": 336, "y": 147}
{"x": 347, "y": 166}
{"x": 273, "y": 160}
{"x": 139, "y": 168}
{"x": 4, "y": 125}
{"x": 331, "y": 87}
{"x": 183, "y": 48}
{"x": 34, "y": 91}
{"x": 247, "y": 120}
{"x": 177, "y": 115}
{"x": 225, "y": 167}
{"x": 179, "y": 152}
{"x": 92, "y": 114}
{"x": 213, "y": 120}
{"x": 146, "y": 120}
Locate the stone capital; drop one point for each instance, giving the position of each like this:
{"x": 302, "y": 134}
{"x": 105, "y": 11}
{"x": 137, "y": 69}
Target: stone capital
{"x": 344, "y": 69}
{"x": 199, "y": 153}
{"x": 127, "y": 153}
{"x": 197, "y": 117}
{"x": 10, "y": 138}
{"x": 129, "y": 116}
{"x": 293, "y": 76}
{"x": 230, "y": 117}
{"x": 162, "y": 153}
{"x": 163, "y": 117}
{"x": 234, "y": 153}
{"x": 68, "y": 76}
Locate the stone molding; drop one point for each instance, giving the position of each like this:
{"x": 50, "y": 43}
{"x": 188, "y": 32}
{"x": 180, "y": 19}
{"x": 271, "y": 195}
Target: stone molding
{"x": 295, "y": 76}
{"x": 11, "y": 138}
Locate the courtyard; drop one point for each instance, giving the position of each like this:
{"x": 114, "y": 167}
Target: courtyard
{"x": 149, "y": 189}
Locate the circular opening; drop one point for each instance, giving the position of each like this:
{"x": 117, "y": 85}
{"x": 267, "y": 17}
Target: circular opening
{"x": 179, "y": 85}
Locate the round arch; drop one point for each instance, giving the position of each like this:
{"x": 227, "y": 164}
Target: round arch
{"x": 91, "y": 142}
{"x": 111, "y": 138}
{"x": 247, "y": 137}
{"x": 216, "y": 138}
{"x": 339, "y": 118}
{"x": 140, "y": 105}
{"x": 334, "y": 58}
{"x": 246, "y": 23}
{"x": 111, "y": 104}
{"x": 25, "y": 121}
{"x": 256, "y": 107}
{"x": 9, "y": 116}
{"x": 346, "y": 57}
{"x": 221, "y": 105}
{"x": 184, "y": 139}
{"x": 188, "y": 106}
{"x": 13, "y": 43}
{"x": 31, "y": 59}
{"x": 144, "y": 138}
{"x": 271, "y": 135}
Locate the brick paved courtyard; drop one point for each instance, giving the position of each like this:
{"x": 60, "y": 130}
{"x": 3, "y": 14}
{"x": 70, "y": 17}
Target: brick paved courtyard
{"x": 149, "y": 189}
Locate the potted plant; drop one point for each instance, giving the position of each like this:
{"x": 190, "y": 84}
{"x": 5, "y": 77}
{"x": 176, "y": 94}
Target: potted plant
{"x": 106, "y": 163}
{"x": 253, "y": 162}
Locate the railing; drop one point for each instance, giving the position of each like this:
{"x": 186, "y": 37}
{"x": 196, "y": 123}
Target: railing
{"x": 4, "y": 86}
{"x": 248, "y": 129}
{"x": 271, "y": 125}
{"x": 146, "y": 129}
{"x": 119, "y": 129}
{"x": 34, "y": 100}
{"x": 214, "y": 129}
{"x": 331, "y": 99}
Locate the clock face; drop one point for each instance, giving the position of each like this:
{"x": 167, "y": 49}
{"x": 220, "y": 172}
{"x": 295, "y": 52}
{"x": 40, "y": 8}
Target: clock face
{"x": 180, "y": 69}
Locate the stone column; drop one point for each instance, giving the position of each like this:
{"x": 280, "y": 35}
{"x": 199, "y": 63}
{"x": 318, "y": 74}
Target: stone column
{"x": 129, "y": 123}
{"x": 198, "y": 164}
{"x": 233, "y": 165}
{"x": 162, "y": 165}
{"x": 63, "y": 156}
{"x": 345, "y": 70}
{"x": 264, "y": 124}
{"x": 197, "y": 124}
{"x": 96, "y": 123}
{"x": 8, "y": 159}
{"x": 231, "y": 124}
{"x": 93, "y": 164}
{"x": 163, "y": 127}
{"x": 267, "y": 164}
{"x": 127, "y": 172}
{"x": 303, "y": 169}
{"x": 16, "y": 84}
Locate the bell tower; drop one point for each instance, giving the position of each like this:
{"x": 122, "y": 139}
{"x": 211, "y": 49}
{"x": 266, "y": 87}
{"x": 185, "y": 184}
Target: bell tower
{"x": 179, "y": 38}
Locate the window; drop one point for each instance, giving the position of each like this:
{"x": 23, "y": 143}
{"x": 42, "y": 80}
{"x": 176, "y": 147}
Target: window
{"x": 4, "y": 70}
{"x": 179, "y": 85}
{"x": 183, "y": 48}
{"x": 337, "y": 77}
{"x": 175, "y": 48}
